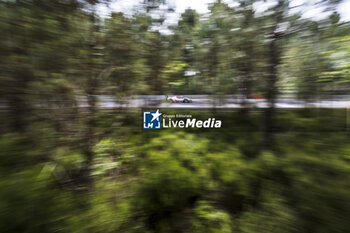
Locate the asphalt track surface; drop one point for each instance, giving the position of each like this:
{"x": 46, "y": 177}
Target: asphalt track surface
{"x": 231, "y": 102}
{"x": 204, "y": 102}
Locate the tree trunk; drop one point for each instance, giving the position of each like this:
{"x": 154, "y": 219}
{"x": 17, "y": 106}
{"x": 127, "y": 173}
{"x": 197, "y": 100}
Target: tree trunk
{"x": 19, "y": 108}
{"x": 274, "y": 57}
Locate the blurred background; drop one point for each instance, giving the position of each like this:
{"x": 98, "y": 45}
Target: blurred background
{"x": 75, "y": 76}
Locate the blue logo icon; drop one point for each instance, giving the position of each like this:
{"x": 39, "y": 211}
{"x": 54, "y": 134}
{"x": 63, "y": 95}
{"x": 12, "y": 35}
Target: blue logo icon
{"x": 151, "y": 120}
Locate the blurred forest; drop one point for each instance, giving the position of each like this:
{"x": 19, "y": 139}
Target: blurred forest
{"x": 67, "y": 168}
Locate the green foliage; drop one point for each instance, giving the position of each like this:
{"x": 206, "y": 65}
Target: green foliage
{"x": 179, "y": 181}
{"x": 209, "y": 219}
{"x": 273, "y": 216}
{"x": 67, "y": 166}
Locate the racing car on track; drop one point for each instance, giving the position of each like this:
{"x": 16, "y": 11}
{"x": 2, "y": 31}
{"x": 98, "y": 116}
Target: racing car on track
{"x": 178, "y": 99}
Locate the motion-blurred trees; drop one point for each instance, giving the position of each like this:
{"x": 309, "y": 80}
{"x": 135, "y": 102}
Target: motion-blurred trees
{"x": 67, "y": 165}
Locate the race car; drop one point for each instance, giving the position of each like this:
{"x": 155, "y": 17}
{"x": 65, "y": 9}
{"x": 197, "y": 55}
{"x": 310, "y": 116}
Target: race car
{"x": 178, "y": 99}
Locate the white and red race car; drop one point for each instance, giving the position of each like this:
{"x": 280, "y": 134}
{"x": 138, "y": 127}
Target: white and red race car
{"x": 178, "y": 99}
